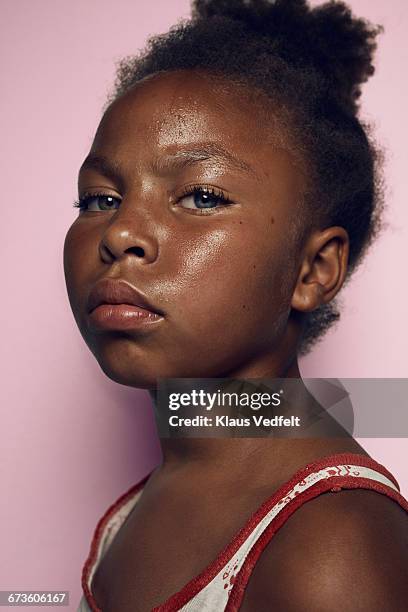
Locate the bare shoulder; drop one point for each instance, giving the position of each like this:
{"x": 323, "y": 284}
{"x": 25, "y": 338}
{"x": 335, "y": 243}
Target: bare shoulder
{"x": 343, "y": 551}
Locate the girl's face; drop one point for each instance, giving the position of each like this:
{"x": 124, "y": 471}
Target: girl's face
{"x": 189, "y": 202}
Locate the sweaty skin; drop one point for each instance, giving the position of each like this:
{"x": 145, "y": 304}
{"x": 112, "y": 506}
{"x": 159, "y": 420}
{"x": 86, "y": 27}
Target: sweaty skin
{"x": 232, "y": 282}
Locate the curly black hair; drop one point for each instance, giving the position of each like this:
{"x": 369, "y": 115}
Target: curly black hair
{"x": 311, "y": 62}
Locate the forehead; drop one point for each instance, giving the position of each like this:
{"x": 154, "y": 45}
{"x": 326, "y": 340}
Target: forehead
{"x": 171, "y": 109}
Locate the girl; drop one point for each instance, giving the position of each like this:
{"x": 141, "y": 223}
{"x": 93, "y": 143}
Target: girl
{"x": 229, "y": 192}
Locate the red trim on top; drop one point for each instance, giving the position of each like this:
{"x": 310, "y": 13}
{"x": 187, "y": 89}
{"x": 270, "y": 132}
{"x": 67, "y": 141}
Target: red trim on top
{"x": 322, "y": 486}
{"x": 177, "y": 600}
{"x": 97, "y": 536}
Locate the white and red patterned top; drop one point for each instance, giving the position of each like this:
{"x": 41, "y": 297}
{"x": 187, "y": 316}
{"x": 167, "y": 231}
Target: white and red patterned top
{"x": 221, "y": 585}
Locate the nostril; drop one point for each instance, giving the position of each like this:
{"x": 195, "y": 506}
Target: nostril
{"x": 139, "y": 251}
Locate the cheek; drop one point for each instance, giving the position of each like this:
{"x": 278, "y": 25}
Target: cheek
{"x": 81, "y": 259}
{"x": 235, "y": 283}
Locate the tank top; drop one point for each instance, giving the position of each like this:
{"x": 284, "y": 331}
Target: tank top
{"x": 221, "y": 585}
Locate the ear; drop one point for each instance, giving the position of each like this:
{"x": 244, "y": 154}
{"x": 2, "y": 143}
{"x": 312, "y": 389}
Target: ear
{"x": 323, "y": 269}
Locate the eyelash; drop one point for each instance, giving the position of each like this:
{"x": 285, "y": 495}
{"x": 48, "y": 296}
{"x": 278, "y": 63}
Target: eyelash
{"x": 206, "y": 190}
{"x": 83, "y": 202}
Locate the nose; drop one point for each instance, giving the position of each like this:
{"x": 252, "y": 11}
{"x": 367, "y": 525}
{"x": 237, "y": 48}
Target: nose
{"x": 129, "y": 233}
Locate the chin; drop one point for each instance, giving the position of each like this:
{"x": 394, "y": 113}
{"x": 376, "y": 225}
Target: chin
{"x": 122, "y": 364}
{"x": 131, "y": 377}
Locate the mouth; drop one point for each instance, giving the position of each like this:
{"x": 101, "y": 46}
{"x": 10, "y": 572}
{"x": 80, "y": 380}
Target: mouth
{"x": 116, "y": 305}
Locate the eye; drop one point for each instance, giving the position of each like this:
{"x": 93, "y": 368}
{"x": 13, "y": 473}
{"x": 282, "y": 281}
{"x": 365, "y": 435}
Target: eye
{"x": 97, "y": 202}
{"x": 200, "y": 198}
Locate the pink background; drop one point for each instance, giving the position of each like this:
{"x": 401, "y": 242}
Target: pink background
{"x": 72, "y": 440}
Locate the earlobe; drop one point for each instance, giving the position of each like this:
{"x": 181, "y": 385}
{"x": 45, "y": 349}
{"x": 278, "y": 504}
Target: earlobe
{"x": 323, "y": 269}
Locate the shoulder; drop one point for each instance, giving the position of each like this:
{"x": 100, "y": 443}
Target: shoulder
{"x": 339, "y": 552}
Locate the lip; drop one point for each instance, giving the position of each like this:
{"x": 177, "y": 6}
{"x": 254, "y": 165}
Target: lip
{"x": 116, "y": 304}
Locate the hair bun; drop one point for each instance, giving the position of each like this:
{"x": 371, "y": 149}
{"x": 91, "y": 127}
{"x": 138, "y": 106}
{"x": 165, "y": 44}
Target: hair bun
{"x": 328, "y": 37}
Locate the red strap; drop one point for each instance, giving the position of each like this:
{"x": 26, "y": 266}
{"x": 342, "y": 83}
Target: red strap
{"x": 97, "y": 536}
{"x": 334, "y": 483}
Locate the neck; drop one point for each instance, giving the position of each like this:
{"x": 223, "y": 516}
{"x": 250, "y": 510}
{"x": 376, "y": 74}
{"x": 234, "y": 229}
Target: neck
{"x": 215, "y": 451}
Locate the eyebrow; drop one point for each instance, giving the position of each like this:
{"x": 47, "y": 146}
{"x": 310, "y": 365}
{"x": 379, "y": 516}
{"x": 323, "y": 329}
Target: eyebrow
{"x": 103, "y": 165}
{"x": 203, "y": 152}
{"x": 177, "y": 161}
